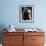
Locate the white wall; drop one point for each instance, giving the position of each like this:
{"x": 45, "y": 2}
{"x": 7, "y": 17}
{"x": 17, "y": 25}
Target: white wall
{"x": 10, "y": 13}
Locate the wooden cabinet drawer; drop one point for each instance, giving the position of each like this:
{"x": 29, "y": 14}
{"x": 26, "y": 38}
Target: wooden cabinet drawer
{"x": 33, "y": 33}
{"x": 37, "y": 44}
{"x": 8, "y": 45}
{"x": 12, "y": 39}
{"x": 17, "y": 43}
{"x": 37, "y": 39}
{"x": 13, "y": 33}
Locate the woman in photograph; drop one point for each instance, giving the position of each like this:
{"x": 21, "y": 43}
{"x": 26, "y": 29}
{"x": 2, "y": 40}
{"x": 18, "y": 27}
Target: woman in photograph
{"x": 26, "y": 14}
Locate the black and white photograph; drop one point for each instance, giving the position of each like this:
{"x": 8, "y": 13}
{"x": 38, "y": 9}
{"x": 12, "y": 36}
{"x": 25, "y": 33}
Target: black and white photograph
{"x": 26, "y": 13}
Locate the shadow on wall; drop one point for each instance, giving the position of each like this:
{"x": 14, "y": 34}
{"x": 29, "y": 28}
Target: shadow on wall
{"x": 2, "y": 26}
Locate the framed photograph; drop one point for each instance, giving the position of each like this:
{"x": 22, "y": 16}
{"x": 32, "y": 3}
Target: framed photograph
{"x": 26, "y": 13}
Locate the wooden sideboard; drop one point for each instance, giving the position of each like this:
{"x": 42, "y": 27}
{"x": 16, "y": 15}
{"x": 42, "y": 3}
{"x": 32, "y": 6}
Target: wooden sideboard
{"x": 23, "y": 39}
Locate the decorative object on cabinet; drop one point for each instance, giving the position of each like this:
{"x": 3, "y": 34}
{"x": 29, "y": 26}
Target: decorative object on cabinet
{"x": 23, "y": 38}
{"x": 26, "y": 13}
{"x": 11, "y": 28}
{"x": 27, "y": 30}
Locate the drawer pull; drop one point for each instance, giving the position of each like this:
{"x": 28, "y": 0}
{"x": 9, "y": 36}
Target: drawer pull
{"x": 33, "y": 39}
{"x": 10, "y": 38}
